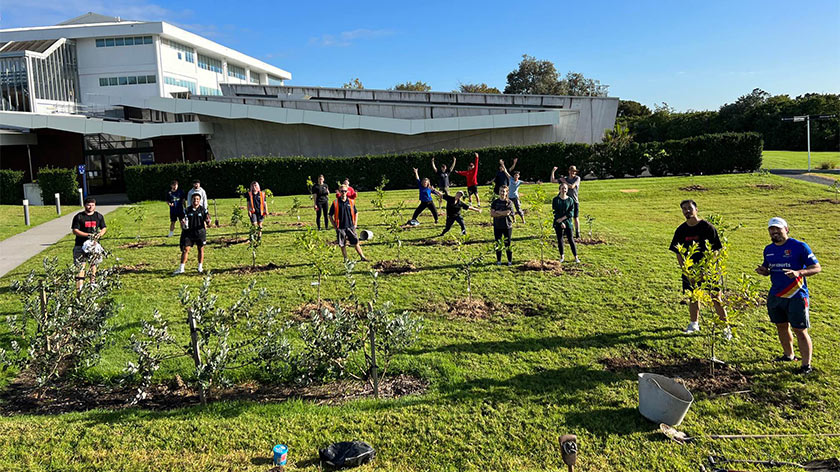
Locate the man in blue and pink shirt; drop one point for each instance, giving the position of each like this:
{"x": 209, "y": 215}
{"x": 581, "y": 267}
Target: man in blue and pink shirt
{"x": 788, "y": 261}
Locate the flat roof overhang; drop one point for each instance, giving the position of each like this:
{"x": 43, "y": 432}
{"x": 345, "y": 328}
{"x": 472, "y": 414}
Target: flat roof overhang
{"x": 85, "y": 125}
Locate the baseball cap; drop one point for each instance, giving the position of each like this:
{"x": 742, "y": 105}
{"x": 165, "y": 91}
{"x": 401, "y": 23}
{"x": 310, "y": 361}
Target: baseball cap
{"x": 778, "y": 222}
{"x": 573, "y": 168}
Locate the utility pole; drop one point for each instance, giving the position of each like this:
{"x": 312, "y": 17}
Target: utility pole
{"x": 807, "y": 120}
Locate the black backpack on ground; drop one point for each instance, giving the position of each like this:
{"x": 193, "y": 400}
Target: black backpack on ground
{"x": 347, "y": 454}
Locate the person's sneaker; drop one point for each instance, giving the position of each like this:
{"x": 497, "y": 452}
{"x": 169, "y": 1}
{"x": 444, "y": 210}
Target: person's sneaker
{"x": 171, "y": 233}
{"x": 805, "y": 370}
{"x": 692, "y": 328}
{"x": 178, "y": 271}
{"x": 784, "y": 358}
{"x": 577, "y": 259}
{"x": 727, "y": 333}
{"x": 510, "y": 263}
{"x": 498, "y": 262}
{"x": 201, "y": 270}
{"x": 562, "y": 258}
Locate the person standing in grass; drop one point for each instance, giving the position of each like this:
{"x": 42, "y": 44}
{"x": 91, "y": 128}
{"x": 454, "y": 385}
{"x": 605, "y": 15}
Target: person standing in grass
{"x": 87, "y": 225}
{"x": 443, "y": 178}
{"x": 194, "y": 232}
{"x": 176, "y": 199}
{"x": 563, "y": 207}
{"x": 454, "y": 205}
{"x": 502, "y": 176}
{"x": 426, "y": 201}
{"x": 343, "y": 214}
{"x": 513, "y": 189}
{"x": 573, "y": 181}
{"x": 321, "y": 196}
{"x": 788, "y": 261}
{"x": 696, "y": 231}
{"x": 196, "y": 188}
{"x": 351, "y": 192}
{"x": 471, "y": 175}
{"x": 502, "y": 212}
{"x": 257, "y": 206}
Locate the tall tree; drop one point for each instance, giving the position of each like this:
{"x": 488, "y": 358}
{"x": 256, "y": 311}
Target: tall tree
{"x": 477, "y": 88}
{"x": 578, "y": 85}
{"x": 632, "y": 109}
{"x": 413, "y": 87}
{"x": 353, "y": 84}
{"x": 534, "y": 77}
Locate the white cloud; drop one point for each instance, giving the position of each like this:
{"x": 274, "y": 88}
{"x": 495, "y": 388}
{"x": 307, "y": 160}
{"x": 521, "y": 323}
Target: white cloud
{"x": 346, "y": 38}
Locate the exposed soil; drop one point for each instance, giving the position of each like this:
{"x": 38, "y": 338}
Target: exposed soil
{"x": 694, "y": 188}
{"x": 394, "y": 266}
{"x": 140, "y": 244}
{"x": 276, "y": 213}
{"x": 574, "y": 269}
{"x": 303, "y": 312}
{"x": 128, "y": 269}
{"x": 590, "y": 241}
{"x": 226, "y": 241}
{"x": 434, "y": 242}
{"x": 767, "y": 186}
{"x": 298, "y": 224}
{"x": 474, "y": 309}
{"x": 693, "y": 372}
{"x": 253, "y": 269}
{"x": 823, "y": 200}
{"x": 20, "y": 397}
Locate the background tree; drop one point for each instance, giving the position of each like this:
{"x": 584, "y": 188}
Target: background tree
{"x": 578, "y": 85}
{"x": 477, "y": 88}
{"x": 534, "y": 77}
{"x": 632, "y": 109}
{"x": 413, "y": 87}
{"x": 353, "y": 84}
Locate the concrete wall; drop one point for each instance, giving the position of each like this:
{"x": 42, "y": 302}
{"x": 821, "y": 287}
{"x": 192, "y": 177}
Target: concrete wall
{"x": 237, "y": 138}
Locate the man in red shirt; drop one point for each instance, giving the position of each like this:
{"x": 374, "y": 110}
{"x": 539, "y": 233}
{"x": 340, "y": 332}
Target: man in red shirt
{"x": 472, "y": 180}
{"x": 351, "y": 192}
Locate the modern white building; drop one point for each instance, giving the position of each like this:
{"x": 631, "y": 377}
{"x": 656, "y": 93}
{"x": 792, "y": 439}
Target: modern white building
{"x": 58, "y": 68}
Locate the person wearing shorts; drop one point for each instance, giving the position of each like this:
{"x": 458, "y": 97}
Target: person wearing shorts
{"x": 788, "y": 262}
{"x": 696, "y": 231}
{"x": 175, "y": 198}
{"x": 471, "y": 174}
{"x": 194, "y": 232}
{"x": 321, "y": 196}
{"x": 257, "y": 206}
{"x": 502, "y": 212}
{"x": 87, "y": 225}
{"x": 343, "y": 214}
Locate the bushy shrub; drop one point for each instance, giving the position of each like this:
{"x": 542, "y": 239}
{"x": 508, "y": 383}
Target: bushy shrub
{"x": 60, "y": 181}
{"x": 11, "y": 187}
{"x": 714, "y": 154}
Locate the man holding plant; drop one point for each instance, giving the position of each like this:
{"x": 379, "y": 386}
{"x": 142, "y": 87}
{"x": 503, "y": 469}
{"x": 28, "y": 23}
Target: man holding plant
{"x": 788, "y": 261}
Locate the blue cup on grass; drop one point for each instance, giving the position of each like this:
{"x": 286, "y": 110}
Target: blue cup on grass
{"x": 280, "y": 454}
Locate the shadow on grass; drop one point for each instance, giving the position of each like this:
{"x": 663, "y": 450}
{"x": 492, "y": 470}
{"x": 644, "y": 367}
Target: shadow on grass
{"x": 602, "y": 421}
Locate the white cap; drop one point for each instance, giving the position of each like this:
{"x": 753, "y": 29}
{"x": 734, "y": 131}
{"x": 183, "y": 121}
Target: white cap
{"x": 778, "y": 222}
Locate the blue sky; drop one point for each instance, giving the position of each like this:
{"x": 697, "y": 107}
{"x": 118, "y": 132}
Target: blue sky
{"x": 690, "y": 54}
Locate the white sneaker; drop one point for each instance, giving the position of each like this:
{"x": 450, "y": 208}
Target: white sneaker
{"x": 727, "y": 333}
{"x": 577, "y": 260}
{"x": 510, "y": 263}
{"x": 171, "y": 233}
{"x": 178, "y": 271}
{"x": 200, "y": 270}
{"x": 498, "y": 262}
{"x": 692, "y": 328}
{"x": 562, "y": 258}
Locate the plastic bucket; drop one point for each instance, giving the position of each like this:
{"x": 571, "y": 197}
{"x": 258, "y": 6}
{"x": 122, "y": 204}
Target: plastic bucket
{"x": 662, "y": 400}
{"x": 280, "y": 454}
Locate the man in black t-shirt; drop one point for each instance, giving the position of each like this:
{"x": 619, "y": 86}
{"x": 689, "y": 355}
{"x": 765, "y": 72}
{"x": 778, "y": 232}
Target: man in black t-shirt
{"x": 194, "y": 232}
{"x": 442, "y": 174}
{"x": 343, "y": 214}
{"x": 320, "y": 194}
{"x": 87, "y": 225}
{"x": 454, "y": 205}
{"x": 502, "y": 176}
{"x": 696, "y": 231}
{"x": 502, "y": 212}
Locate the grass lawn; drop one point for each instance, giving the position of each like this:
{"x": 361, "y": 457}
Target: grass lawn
{"x": 797, "y": 159}
{"x": 502, "y": 390}
{"x": 11, "y": 217}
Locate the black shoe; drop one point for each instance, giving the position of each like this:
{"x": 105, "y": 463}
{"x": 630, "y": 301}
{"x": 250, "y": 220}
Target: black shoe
{"x": 805, "y": 370}
{"x": 784, "y": 358}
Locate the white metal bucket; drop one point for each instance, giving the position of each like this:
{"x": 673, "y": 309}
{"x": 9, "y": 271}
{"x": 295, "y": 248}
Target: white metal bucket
{"x": 662, "y": 400}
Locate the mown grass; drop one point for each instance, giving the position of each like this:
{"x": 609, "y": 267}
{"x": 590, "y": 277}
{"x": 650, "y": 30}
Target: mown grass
{"x": 797, "y": 159}
{"x": 12, "y": 221}
{"x": 503, "y": 389}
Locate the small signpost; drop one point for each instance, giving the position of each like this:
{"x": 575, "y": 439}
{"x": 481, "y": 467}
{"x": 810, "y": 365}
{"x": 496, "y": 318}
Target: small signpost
{"x": 84, "y": 180}
{"x": 807, "y": 119}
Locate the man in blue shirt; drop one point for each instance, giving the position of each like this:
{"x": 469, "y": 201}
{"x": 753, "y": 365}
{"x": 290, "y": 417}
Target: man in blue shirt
{"x": 426, "y": 201}
{"x": 787, "y": 262}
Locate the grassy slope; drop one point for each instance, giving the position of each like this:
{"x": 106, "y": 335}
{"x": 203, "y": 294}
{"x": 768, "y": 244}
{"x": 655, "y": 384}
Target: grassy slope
{"x": 797, "y": 159}
{"x": 11, "y": 217}
{"x": 503, "y": 390}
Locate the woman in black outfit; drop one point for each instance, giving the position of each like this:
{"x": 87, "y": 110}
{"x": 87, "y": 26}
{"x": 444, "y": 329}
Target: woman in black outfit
{"x": 321, "y": 195}
{"x": 502, "y": 212}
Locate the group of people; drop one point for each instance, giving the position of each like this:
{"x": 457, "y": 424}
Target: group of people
{"x": 786, "y": 261}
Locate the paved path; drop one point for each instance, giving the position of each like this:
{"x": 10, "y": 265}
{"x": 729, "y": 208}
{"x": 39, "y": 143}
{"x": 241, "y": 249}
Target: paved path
{"x": 801, "y": 175}
{"x": 17, "y": 249}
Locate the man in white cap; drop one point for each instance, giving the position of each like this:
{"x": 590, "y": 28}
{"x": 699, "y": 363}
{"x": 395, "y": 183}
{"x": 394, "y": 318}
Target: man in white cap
{"x": 788, "y": 261}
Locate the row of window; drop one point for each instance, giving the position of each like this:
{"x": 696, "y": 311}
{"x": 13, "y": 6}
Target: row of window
{"x": 208, "y": 63}
{"x": 133, "y": 80}
{"x": 255, "y": 78}
{"x": 124, "y": 41}
{"x": 209, "y": 91}
{"x": 189, "y": 85}
{"x": 236, "y": 71}
{"x": 274, "y": 80}
{"x": 184, "y": 52}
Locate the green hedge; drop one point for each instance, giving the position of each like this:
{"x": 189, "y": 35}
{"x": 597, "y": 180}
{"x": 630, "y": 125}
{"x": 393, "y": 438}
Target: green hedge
{"x": 11, "y": 187}
{"x": 62, "y": 181}
{"x": 729, "y": 152}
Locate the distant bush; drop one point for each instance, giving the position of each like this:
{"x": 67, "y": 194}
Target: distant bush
{"x": 60, "y": 181}
{"x": 11, "y": 187}
{"x": 828, "y": 165}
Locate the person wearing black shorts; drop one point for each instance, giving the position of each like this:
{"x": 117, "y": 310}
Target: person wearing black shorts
{"x": 87, "y": 225}
{"x": 175, "y": 198}
{"x": 502, "y": 212}
{"x": 343, "y": 215}
{"x": 454, "y": 205}
{"x": 194, "y": 232}
{"x": 320, "y": 194}
{"x": 471, "y": 174}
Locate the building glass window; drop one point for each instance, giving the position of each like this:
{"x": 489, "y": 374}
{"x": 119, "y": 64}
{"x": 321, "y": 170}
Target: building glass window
{"x": 100, "y": 43}
{"x": 236, "y": 71}
{"x": 147, "y": 40}
{"x": 130, "y": 80}
{"x": 274, "y": 80}
{"x": 125, "y": 41}
{"x": 103, "y": 81}
{"x": 129, "y": 41}
{"x": 255, "y": 77}
{"x": 208, "y": 63}
{"x": 210, "y": 91}
{"x": 189, "y": 85}
{"x": 185, "y": 52}
{"x": 151, "y": 79}
{"x": 119, "y": 42}
{"x": 109, "y": 42}
{"x": 112, "y": 81}
{"x": 141, "y": 79}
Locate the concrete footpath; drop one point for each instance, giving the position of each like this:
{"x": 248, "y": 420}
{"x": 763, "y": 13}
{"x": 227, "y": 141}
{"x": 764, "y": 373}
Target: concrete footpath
{"x": 803, "y": 175}
{"x": 17, "y": 249}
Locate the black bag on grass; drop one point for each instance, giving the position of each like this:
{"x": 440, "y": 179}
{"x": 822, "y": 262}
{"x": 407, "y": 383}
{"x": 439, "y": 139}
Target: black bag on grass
{"x": 347, "y": 454}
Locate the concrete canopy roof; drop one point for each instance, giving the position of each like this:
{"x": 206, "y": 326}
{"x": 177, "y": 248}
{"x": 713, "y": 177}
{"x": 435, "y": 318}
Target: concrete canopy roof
{"x": 84, "y": 125}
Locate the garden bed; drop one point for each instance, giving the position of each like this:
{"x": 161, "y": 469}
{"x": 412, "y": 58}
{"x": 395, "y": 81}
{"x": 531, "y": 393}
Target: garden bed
{"x": 394, "y": 266}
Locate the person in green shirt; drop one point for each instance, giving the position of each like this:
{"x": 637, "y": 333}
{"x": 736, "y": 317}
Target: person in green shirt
{"x": 564, "y": 211}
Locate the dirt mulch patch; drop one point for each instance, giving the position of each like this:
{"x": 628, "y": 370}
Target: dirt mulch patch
{"x": 590, "y": 241}
{"x": 567, "y": 268}
{"x": 766, "y": 186}
{"x": 253, "y": 269}
{"x": 276, "y": 213}
{"x": 694, "y": 188}
{"x": 20, "y": 397}
{"x": 824, "y": 200}
{"x": 226, "y": 241}
{"x": 298, "y": 224}
{"x": 129, "y": 269}
{"x": 394, "y": 267}
{"x": 434, "y": 242}
{"x": 473, "y": 309}
{"x": 139, "y": 244}
{"x": 693, "y": 372}
{"x": 304, "y": 312}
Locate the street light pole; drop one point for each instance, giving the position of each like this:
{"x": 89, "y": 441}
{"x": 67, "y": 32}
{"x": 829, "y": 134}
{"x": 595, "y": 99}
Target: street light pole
{"x": 807, "y": 120}
{"x": 808, "y": 134}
